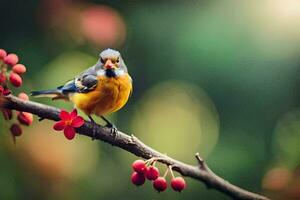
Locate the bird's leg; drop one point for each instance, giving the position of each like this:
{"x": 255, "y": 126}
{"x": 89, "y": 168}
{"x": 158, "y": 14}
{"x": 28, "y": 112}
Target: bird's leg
{"x": 94, "y": 127}
{"x": 110, "y": 125}
{"x": 91, "y": 119}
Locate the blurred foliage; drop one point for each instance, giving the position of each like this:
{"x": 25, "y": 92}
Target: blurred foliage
{"x": 215, "y": 77}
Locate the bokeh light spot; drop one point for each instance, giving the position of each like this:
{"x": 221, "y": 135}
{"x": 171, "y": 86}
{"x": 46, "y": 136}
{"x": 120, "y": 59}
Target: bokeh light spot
{"x": 276, "y": 178}
{"x": 177, "y": 118}
{"x": 55, "y": 158}
{"x": 286, "y": 141}
{"x": 103, "y": 26}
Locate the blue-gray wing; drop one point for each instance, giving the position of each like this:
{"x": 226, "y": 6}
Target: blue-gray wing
{"x": 84, "y": 82}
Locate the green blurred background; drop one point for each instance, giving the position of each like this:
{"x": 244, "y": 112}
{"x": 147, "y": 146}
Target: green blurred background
{"x": 215, "y": 77}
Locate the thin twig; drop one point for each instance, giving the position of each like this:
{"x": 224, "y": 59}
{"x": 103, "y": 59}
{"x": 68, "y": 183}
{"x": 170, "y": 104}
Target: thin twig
{"x": 133, "y": 145}
{"x": 200, "y": 161}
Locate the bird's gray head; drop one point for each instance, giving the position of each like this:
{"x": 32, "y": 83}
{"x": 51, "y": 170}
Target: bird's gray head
{"x": 112, "y": 63}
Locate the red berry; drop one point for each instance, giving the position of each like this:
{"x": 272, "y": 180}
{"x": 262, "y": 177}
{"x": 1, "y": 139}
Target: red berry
{"x": 1, "y": 89}
{"x": 137, "y": 178}
{"x": 160, "y": 184}
{"x": 6, "y": 92}
{"x": 7, "y": 114}
{"x": 16, "y": 130}
{"x": 25, "y": 118}
{"x": 178, "y": 184}
{"x": 139, "y": 166}
{"x": 15, "y": 79}
{"x": 151, "y": 173}
{"x": 23, "y": 96}
{"x": 2, "y": 53}
{"x": 11, "y": 59}
{"x": 19, "y": 69}
{"x": 2, "y": 78}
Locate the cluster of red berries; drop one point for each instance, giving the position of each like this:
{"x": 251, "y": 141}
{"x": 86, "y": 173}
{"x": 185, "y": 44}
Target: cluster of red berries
{"x": 11, "y": 68}
{"x": 146, "y": 170}
{"x": 10, "y": 74}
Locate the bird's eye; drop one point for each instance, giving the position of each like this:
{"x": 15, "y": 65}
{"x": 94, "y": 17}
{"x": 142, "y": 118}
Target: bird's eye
{"x": 101, "y": 60}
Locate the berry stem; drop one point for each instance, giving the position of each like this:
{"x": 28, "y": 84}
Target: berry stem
{"x": 170, "y": 168}
{"x": 166, "y": 173}
{"x": 147, "y": 162}
{"x": 151, "y": 161}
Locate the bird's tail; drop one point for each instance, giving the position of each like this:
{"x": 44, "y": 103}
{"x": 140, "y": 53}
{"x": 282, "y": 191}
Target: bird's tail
{"x": 54, "y": 94}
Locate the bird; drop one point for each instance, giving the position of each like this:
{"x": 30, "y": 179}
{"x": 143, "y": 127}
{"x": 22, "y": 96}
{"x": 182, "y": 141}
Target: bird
{"x": 100, "y": 90}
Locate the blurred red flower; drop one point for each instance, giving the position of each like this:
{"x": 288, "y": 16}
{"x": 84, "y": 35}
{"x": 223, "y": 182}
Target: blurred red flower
{"x": 102, "y": 26}
{"x": 99, "y": 25}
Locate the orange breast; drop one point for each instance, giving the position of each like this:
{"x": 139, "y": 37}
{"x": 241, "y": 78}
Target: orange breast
{"x": 110, "y": 95}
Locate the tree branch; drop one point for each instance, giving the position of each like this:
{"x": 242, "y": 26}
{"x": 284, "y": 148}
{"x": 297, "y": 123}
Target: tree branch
{"x": 135, "y": 146}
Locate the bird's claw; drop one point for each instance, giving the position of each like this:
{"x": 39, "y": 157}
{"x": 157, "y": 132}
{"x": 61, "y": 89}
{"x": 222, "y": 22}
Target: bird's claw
{"x": 94, "y": 132}
{"x": 113, "y": 129}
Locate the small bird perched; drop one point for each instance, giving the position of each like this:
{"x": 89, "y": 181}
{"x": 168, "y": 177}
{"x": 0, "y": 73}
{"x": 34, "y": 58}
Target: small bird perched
{"x": 100, "y": 90}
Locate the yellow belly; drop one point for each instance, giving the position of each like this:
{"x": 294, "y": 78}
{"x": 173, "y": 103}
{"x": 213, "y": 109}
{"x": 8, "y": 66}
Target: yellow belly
{"x": 110, "y": 95}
